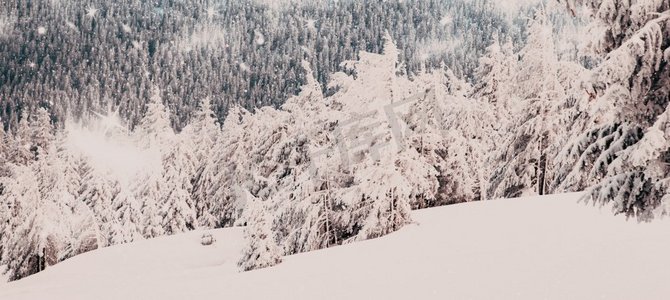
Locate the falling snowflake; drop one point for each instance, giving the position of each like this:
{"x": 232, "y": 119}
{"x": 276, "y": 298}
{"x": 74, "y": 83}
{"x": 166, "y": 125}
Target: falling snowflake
{"x": 311, "y": 24}
{"x": 211, "y": 12}
{"x": 126, "y": 28}
{"x": 91, "y": 12}
{"x": 32, "y": 65}
{"x": 244, "y": 67}
{"x": 41, "y": 30}
{"x": 259, "y": 38}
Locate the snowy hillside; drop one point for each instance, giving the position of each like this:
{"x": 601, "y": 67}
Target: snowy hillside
{"x": 531, "y": 248}
{"x": 322, "y": 125}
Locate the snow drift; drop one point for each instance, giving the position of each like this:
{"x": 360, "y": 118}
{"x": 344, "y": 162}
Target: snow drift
{"x": 531, "y": 248}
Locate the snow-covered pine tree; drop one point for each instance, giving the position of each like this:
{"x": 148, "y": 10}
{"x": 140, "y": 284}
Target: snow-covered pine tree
{"x": 8, "y": 208}
{"x": 496, "y": 74}
{"x": 154, "y": 130}
{"x": 32, "y": 245}
{"x": 633, "y": 84}
{"x": 385, "y": 199}
{"x": 528, "y": 158}
{"x": 98, "y": 192}
{"x": 175, "y": 207}
{"x": 71, "y": 163}
{"x": 83, "y": 230}
{"x": 316, "y": 204}
{"x": 5, "y": 173}
{"x": 41, "y": 130}
{"x": 427, "y": 138}
{"x": 261, "y": 250}
{"x": 641, "y": 187}
{"x": 471, "y": 137}
{"x": 20, "y": 186}
{"x": 149, "y": 194}
{"x": 461, "y": 180}
{"x": 157, "y": 136}
{"x": 204, "y": 134}
{"x": 454, "y": 134}
{"x": 126, "y": 225}
{"x": 229, "y": 158}
{"x": 34, "y": 131}
{"x": 204, "y": 130}
{"x": 5, "y": 214}
{"x": 4, "y": 152}
{"x": 306, "y": 201}
{"x": 386, "y": 174}
{"x": 53, "y": 176}
{"x": 19, "y": 151}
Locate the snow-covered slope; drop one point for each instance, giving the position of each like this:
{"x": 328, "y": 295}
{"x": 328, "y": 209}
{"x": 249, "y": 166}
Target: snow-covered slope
{"x": 532, "y": 248}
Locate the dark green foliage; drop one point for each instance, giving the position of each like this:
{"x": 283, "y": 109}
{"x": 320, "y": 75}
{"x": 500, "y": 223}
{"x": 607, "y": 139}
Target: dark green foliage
{"x": 85, "y": 63}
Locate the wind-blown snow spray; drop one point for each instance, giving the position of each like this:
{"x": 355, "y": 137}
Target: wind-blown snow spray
{"x": 109, "y": 147}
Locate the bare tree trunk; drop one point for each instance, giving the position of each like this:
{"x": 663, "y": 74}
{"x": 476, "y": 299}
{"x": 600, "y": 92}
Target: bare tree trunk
{"x": 542, "y": 166}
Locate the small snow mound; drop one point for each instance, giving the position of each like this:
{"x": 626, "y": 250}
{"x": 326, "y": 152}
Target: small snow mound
{"x": 207, "y": 239}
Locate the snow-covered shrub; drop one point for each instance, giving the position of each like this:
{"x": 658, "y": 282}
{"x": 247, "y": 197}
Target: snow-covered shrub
{"x": 207, "y": 239}
{"x": 261, "y": 250}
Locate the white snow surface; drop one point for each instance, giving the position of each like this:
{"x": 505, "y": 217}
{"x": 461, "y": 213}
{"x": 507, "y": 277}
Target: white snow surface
{"x": 532, "y": 248}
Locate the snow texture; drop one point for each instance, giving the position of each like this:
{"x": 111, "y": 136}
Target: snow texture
{"x": 506, "y": 249}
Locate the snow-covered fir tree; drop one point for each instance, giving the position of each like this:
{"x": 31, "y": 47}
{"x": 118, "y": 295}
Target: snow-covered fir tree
{"x": 98, "y": 192}
{"x": 19, "y": 150}
{"x": 156, "y": 135}
{"x": 372, "y": 145}
{"x": 496, "y": 74}
{"x": 41, "y": 130}
{"x": 528, "y": 165}
{"x": 175, "y": 206}
{"x": 20, "y": 250}
{"x": 453, "y": 133}
{"x": 228, "y": 159}
{"x": 261, "y": 250}
{"x": 33, "y": 243}
{"x": 55, "y": 189}
{"x": 4, "y": 152}
{"x": 203, "y": 133}
{"x": 83, "y": 229}
{"x": 150, "y": 193}
{"x": 306, "y": 201}
{"x": 126, "y": 225}
{"x": 154, "y": 130}
{"x": 624, "y": 143}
